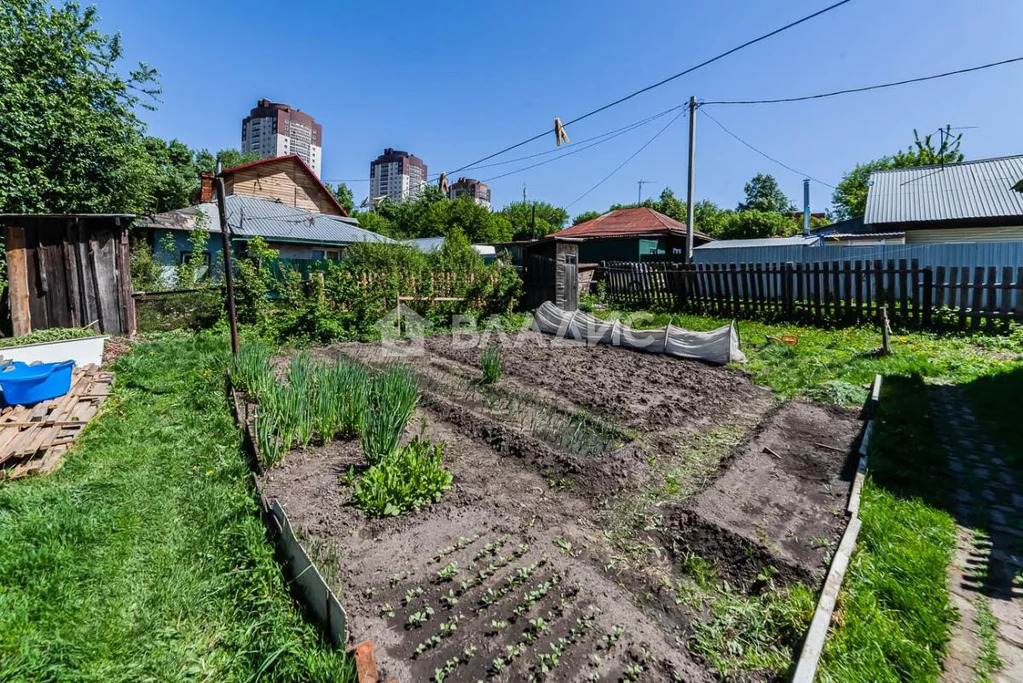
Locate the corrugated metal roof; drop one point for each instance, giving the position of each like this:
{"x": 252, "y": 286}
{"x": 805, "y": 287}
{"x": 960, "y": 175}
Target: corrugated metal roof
{"x": 272, "y": 220}
{"x": 426, "y": 244}
{"x": 639, "y": 220}
{"x": 974, "y": 189}
{"x": 794, "y": 240}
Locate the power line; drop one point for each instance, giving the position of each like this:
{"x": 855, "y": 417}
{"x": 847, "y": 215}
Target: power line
{"x": 659, "y": 83}
{"x": 571, "y": 152}
{"x": 564, "y": 152}
{"x": 767, "y": 156}
{"x": 878, "y": 86}
{"x": 646, "y": 144}
{"x": 623, "y": 129}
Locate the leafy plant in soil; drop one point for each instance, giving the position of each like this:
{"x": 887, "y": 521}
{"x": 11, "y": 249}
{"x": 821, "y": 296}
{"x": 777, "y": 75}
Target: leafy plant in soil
{"x": 492, "y": 365}
{"x": 407, "y": 480}
{"x": 391, "y": 400}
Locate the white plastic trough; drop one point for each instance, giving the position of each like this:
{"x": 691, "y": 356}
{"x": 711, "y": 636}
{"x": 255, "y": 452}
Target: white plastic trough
{"x": 84, "y": 351}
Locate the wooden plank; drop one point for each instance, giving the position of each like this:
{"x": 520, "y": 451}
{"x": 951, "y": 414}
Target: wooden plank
{"x": 1018, "y": 289}
{"x": 17, "y": 276}
{"x": 122, "y": 267}
{"x": 978, "y": 292}
{"x": 1006, "y": 294}
{"x": 991, "y": 300}
{"x": 939, "y": 287}
{"x": 928, "y": 303}
{"x": 903, "y": 279}
{"x": 962, "y": 285}
{"x": 847, "y": 285}
{"x": 815, "y": 287}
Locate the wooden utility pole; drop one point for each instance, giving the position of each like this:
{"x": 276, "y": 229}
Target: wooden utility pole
{"x": 689, "y": 188}
{"x": 225, "y": 236}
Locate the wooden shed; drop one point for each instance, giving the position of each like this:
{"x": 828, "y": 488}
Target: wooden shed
{"x": 69, "y": 270}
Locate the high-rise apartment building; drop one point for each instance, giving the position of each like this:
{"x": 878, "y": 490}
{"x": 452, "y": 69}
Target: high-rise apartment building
{"x": 479, "y": 192}
{"x": 397, "y": 175}
{"x": 275, "y": 130}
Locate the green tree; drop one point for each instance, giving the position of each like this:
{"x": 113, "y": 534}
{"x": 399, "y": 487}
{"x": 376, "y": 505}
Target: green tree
{"x": 671, "y": 206}
{"x": 228, "y": 158}
{"x": 175, "y": 174}
{"x": 850, "y": 196}
{"x": 763, "y": 194}
{"x": 549, "y": 218}
{"x": 586, "y": 216}
{"x": 752, "y": 224}
{"x": 70, "y": 140}
{"x": 343, "y": 194}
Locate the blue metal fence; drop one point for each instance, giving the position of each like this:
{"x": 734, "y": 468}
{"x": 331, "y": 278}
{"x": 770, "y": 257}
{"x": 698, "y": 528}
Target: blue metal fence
{"x": 962, "y": 254}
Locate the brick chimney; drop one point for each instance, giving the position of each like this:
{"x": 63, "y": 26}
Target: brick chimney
{"x": 205, "y": 187}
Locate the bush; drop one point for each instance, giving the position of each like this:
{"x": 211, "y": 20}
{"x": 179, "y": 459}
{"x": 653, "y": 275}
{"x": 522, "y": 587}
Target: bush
{"x": 391, "y": 400}
{"x": 492, "y": 365}
{"x": 410, "y": 478}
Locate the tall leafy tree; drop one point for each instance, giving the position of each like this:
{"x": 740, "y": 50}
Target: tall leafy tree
{"x": 228, "y": 158}
{"x": 70, "y": 140}
{"x": 343, "y": 194}
{"x": 586, "y": 216}
{"x": 549, "y": 218}
{"x": 763, "y": 194}
{"x": 850, "y": 196}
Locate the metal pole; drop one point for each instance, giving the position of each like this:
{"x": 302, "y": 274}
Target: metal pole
{"x": 225, "y": 236}
{"x": 806, "y": 207}
{"x": 692, "y": 171}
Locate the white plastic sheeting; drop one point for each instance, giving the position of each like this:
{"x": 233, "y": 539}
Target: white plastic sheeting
{"x": 717, "y": 346}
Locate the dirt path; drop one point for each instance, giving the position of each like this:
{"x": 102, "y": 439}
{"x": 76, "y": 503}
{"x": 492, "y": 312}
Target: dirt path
{"x": 987, "y": 578}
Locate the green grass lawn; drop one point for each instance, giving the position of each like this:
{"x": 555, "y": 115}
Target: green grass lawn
{"x": 144, "y": 558}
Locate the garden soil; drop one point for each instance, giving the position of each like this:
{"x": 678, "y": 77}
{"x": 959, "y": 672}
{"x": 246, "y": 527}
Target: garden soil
{"x": 515, "y": 574}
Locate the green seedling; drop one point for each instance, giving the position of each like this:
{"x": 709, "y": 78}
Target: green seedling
{"x": 616, "y": 632}
{"x": 450, "y": 600}
{"x": 417, "y": 619}
{"x": 412, "y": 594}
{"x": 448, "y": 572}
{"x": 387, "y": 610}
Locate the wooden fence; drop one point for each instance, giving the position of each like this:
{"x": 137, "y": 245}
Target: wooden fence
{"x": 843, "y": 292}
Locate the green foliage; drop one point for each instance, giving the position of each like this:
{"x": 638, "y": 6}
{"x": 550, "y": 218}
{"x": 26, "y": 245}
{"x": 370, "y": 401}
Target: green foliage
{"x": 586, "y": 216}
{"x": 490, "y": 361}
{"x": 391, "y": 399}
{"x": 145, "y": 271}
{"x": 520, "y": 215}
{"x": 192, "y": 270}
{"x": 51, "y": 335}
{"x": 71, "y": 140}
{"x": 412, "y": 477}
{"x": 144, "y": 557}
{"x": 763, "y": 194}
{"x": 754, "y": 223}
{"x": 850, "y": 196}
{"x": 228, "y": 158}
{"x": 343, "y": 194}
{"x": 667, "y": 203}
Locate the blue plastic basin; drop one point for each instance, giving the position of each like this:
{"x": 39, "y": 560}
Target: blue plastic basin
{"x": 25, "y": 384}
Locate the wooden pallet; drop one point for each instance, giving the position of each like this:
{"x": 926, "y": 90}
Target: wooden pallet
{"x": 34, "y": 439}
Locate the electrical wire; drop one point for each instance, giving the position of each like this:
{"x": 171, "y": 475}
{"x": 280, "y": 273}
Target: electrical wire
{"x": 561, "y": 151}
{"x": 657, "y": 84}
{"x": 767, "y": 156}
{"x": 878, "y": 86}
{"x": 576, "y": 150}
{"x": 646, "y": 144}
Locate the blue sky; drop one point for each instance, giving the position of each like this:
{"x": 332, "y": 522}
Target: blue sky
{"x": 454, "y": 81}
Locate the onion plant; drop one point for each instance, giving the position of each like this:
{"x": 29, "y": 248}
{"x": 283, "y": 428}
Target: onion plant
{"x": 490, "y": 361}
{"x": 392, "y": 398}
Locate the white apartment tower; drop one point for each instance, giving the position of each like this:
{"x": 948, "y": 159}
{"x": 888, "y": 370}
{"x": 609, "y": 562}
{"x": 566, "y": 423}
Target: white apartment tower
{"x": 397, "y": 175}
{"x": 275, "y": 130}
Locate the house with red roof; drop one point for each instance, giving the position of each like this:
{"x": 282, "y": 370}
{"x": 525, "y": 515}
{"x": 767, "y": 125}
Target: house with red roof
{"x": 636, "y": 234}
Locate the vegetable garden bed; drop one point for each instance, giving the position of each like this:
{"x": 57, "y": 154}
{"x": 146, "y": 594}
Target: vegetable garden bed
{"x": 584, "y": 535}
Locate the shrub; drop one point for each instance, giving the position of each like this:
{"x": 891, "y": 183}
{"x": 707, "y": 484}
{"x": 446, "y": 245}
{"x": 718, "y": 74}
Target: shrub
{"x": 391, "y": 400}
{"x": 410, "y": 478}
{"x": 491, "y": 362}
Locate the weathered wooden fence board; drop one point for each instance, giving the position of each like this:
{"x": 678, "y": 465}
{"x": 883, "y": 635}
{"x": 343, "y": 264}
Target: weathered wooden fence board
{"x": 840, "y": 291}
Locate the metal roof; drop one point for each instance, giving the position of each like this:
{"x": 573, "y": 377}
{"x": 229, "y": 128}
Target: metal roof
{"x": 270, "y": 219}
{"x": 970, "y": 190}
{"x": 426, "y": 244}
{"x": 797, "y": 240}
